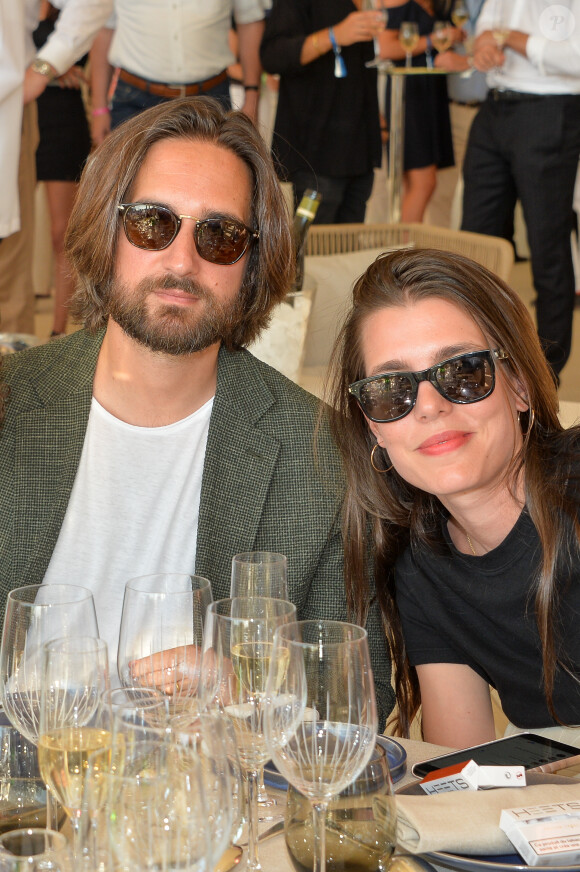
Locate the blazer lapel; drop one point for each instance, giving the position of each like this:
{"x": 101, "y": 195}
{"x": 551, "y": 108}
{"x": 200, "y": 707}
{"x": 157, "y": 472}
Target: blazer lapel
{"x": 239, "y": 463}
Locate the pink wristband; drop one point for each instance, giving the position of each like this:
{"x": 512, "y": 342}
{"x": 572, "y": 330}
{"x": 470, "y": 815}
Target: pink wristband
{"x": 100, "y": 110}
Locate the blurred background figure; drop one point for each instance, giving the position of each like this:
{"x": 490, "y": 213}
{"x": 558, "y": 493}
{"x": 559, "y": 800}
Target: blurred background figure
{"x": 63, "y": 148}
{"x": 427, "y": 141}
{"x": 467, "y": 90}
{"x": 327, "y": 130}
{"x": 162, "y": 50}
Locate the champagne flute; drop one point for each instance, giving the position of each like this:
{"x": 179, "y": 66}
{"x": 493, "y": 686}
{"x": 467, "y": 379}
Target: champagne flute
{"x": 260, "y": 573}
{"x": 34, "y": 850}
{"x": 377, "y": 6}
{"x": 440, "y": 36}
{"x": 409, "y": 37}
{"x": 35, "y": 614}
{"x": 459, "y": 14}
{"x": 75, "y": 721}
{"x": 161, "y": 635}
{"x": 321, "y": 716}
{"x": 237, "y": 650}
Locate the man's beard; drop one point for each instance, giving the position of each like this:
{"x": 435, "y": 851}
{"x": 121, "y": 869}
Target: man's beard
{"x": 173, "y": 329}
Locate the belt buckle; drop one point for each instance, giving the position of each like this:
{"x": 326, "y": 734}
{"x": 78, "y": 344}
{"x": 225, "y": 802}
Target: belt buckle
{"x": 182, "y": 89}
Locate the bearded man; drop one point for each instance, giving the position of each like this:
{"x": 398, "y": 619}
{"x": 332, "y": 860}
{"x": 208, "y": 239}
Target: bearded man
{"x": 151, "y": 441}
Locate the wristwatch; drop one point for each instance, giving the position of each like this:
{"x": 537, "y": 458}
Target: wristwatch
{"x": 44, "y": 68}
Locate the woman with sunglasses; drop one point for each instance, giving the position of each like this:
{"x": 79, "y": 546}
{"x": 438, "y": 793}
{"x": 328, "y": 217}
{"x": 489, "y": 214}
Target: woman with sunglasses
{"x": 464, "y": 480}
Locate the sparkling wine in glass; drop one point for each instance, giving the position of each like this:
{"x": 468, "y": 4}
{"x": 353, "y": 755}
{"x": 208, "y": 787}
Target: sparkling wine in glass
{"x": 409, "y": 38}
{"x": 36, "y": 614}
{"x": 75, "y": 722}
{"x": 321, "y": 717}
{"x": 459, "y": 14}
{"x": 238, "y": 645}
{"x": 441, "y": 37}
{"x": 261, "y": 573}
{"x": 162, "y": 633}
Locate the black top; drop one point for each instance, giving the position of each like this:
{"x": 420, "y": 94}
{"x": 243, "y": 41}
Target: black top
{"x": 479, "y": 611}
{"x": 327, "y": 124}
{"x": 428, "y": 137}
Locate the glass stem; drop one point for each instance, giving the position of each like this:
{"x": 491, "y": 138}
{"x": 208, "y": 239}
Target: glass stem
{"x": 319, "y": 825}
{"x": 52, "y": 810}
{"x": 252, "y": 786}
{"x": 408, "y": 59}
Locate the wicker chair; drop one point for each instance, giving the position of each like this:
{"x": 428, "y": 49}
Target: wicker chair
{"x": 490, "y": 251}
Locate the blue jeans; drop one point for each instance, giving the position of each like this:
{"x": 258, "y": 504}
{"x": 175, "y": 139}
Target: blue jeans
{"x": 129, "y": 100}
{"x": 344, "y": 200}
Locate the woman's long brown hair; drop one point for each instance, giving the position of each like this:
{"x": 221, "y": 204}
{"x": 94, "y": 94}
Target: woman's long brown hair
{"x": 392, "y": 513}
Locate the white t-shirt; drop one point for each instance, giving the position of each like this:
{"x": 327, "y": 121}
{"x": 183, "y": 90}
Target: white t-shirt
{"x": 133, "y": 510}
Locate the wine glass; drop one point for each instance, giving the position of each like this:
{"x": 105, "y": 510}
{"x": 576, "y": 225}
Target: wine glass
{"x": 75, "y": 721}
{"x": 35, "y": 614}
{"x": 409, "y": 37}
{"x": 377, "y": 6}
{"x": 237, "y": 648}
{"x": 360, "y": 822}
{"x": 156, "y": 810}
{"x": 441, "y": 37}
{"x": 459, "y": 14}
{"x": 161, "y": 635}
{"x": 260, "y": 573}
{"x": 321, "y": 716}
{"x": 210, "y": 736}
{"x": 34, "y": 850}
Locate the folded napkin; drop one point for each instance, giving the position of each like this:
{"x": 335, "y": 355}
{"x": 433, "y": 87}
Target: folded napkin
{"x": 467, "y": 822}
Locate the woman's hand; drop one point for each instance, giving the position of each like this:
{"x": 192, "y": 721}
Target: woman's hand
{"x": 359, "y": 27}
{"x": 100, "y": 127}
{"x": 73, "y": 78}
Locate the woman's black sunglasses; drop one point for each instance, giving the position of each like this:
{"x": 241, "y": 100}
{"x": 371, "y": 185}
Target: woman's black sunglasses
{"x": 467, "y": 378}
{"x": 153, "y": 227}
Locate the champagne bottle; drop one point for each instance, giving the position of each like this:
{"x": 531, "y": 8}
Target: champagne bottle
{"x": 303, "y": 218}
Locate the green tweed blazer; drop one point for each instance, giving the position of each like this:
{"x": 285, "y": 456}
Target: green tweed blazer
{"x": 262, "y": 488}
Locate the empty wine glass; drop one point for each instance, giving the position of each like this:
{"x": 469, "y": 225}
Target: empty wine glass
{"x": 409, "y": 37}
{"x": 377, "y": 6}
{"x": 260, "y": 573}
{"x": 35, "y": 614}
{"x": 237, "y": 649}
{"x": 161, "y": 635}
{"x": 34, "y": 850}
{"x": 321, "y": 716}
{"x": 156, "y": 810}
{"x": 75, "y": 721}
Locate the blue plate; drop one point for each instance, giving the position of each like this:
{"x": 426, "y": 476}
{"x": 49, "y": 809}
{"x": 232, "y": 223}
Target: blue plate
{"x": 396, "y": 755}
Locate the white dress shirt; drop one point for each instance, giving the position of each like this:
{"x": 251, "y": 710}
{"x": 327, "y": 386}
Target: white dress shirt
{"x": 552, "y": 65}
{"x": 177, "y": 41}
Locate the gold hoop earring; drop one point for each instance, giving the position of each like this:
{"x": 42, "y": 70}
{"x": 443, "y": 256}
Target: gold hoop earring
{"x": 373, "y": 464}
{"x": 531, "y": 420}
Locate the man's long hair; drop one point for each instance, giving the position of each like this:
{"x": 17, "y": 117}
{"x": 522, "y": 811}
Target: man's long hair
{"x": 91, "y": 239}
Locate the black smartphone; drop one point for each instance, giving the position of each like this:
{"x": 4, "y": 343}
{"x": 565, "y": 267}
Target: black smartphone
{"x": 521, "y": 749}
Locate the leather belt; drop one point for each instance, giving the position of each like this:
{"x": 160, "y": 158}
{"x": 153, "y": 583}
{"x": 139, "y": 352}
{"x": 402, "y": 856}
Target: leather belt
{"x": 161, "y": 89}
{"x": 499, "y": 94}
{"x": 471, "y": 103}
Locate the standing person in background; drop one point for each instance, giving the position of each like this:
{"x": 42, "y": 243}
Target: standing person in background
{"x": 79, "y": 22}
{"x": 427, "y": 138}
{"x": 467, "y": 90}
{"x": 64, "y": 146}
{"x": 525, "y": 143}
{"x": 327, "y": 129}
{"x": 164, "y": 50}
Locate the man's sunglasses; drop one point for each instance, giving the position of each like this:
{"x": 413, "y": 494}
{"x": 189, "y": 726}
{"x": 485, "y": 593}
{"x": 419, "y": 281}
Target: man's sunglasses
{"x": 467, "y": 378}
{"x": 153, "y": 227}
